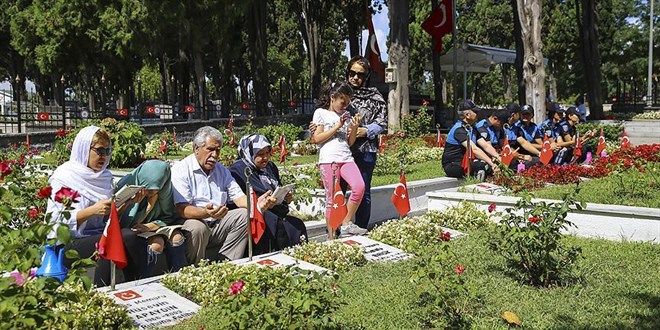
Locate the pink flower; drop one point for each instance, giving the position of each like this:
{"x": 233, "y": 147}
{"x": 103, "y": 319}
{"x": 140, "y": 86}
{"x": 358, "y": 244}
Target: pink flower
{"x": 19, "y": 279}
{"x": 66, "y": 196}
{"x": 446, "y": 236}
{"x": 491, "y": 207}
{"x": 534, "y": 219}
{"x": 45, "y": 192}
{"x": 236, "y": 287}
{"x": 459, "y": 269}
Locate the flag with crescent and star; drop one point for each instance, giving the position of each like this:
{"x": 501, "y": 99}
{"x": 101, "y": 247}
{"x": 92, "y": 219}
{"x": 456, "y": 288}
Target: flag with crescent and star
{"x": 400, "y": 197}
{"x": 338, "y": 208}
{"x": 625, "y": 141}
{"x": 546, "y": 151}
{"x": 601, "y": 143}
{"x": 373, "y": 51}
{"x": 507, "y": 153}
{"x": 440, "y": 23}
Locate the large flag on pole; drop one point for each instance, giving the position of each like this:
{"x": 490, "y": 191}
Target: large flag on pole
{"x": 111, "y": 245}
{"x": 373, "y": 51}
{"x": 257, "y": 222}
{"x": 400, "y": 197}
{"x": 601, "y": 143}
{"x": 440, "y": 23}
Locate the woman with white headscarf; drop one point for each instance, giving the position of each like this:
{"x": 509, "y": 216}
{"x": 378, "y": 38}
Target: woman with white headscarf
{"x": 87, "y": 175}
{"x": 283, "y": 230}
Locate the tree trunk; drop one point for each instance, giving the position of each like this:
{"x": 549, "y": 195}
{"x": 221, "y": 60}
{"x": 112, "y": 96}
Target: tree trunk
{"x": 506, "y": 81}
{"x": 438, "y": 107}
{"x": 200, "y": 82}
{"x": 520, "y": 53}
{"x": 258, "y": 55}
{"x": 399, "y": 51}
{"x": 309, "y": 17}
{"x": 163, "y": 80}
{"x": 588, "y": 27}
{"x": 534, "y": 72}
{"x": 353, "y": 30}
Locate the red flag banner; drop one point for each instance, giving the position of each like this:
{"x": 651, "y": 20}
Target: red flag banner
{"x": 381, "y": 144}
{"x": 601, "y": 143}
{"x": 257, "y": 222}
{"x": 150, "y": 109}
{"x": 625, "y": 141}
{"x": 122, "y": 112}
{"x": 577, "y": 153}
{"x": 546, "y": 152}
{"x": 111, "y": 245}
{"x": 43, "y": 116}
{"x": 468, "y": 157}
{"x": 400, "y": 197}
{"x": 282, "y": 145}
{"x": 230, "y": 123}
{"x": 245, "y": 105}
{"x": 189, "y": 109}
{"x": 507, "y": 153}
{"x": 373, "y": 51}
{"x": 338, "y": 208}
{"x": 27, "y": 141}
{"x": 440, "y": 23}
{"x": 441, "y": 141}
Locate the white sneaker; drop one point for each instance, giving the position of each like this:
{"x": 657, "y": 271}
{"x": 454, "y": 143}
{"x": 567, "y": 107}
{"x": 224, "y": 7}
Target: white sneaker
{"x": 352, "y": 229}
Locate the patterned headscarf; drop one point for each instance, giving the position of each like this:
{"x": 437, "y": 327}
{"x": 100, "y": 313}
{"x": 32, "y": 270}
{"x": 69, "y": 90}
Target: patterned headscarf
{"x": 248, "y": 148}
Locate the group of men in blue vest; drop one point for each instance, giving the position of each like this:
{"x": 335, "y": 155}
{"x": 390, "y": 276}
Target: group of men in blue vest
{"x": 476, "y": 147}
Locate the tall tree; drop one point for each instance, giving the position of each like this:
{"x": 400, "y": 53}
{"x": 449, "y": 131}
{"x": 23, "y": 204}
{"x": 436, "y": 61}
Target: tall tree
{"x": 588, "y": 28}
{"x": 258, "y": 51}
{"x": 398, "y": 52}
{"x": 534, "y": 71}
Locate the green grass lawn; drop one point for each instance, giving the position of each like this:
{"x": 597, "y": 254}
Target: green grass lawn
{"x": 619, "y": 289}
{"x": 640, "y": 190}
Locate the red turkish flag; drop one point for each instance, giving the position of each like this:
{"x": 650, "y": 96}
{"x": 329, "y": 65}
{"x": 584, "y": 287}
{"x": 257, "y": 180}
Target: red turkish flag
{"x": 245, "y": 105}
{"x": 150, "y": 109}
{"x": 230, "y": 123}
{"x": 577, "y": 153}
{"x": 42, "y": 116}
{"x": 507, "y": 153}
{"x": 441, "y": 141}
{"x": 466, "y": 163}
{"x": 400, "y": 197}
{"x": 625, "y": 141}
{"x": 282, "y": 145}
{"x": 373, "y": 51}
{"x": 546, "y": 152}
{"x": 381, "y": 144}
{"x": 27, "y": 141}
{"x": 440, "y": 23}
{"x": 122, "y": 112}
{"x": 601, "y": 143}
{"x": 257, "y": 222}
{"x": 338, "y": 208}
{"x": 189, "y": 109}
{"x": 111, "y": 245}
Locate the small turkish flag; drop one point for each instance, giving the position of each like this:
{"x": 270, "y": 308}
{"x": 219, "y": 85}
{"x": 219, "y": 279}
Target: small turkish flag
{"x": 111, "y": 245}
{"x": 245, "y": 105}
{"x": 400, "y": 197}
{"x": 257, "y": 222}
{"x": 230, "y": 123}
{"x": 122, "y": 112}
{"x": 440, "y": 23}
{"x": 189, "y": 109}
{"x": 577, "y": 153}
{"x": 625, "y": 141}
{"x": 466, "y": 163}
{"x": 150, "y": 109}
{"x": 546, "y": 152}
{"x": 441, "y": 141}
{"x": 282, "y": 145}
{"x": 42, "y": 116}
{"x": 381, "y": 144}
{"x": 338, "y": 208}
{"x": 601, "y": 143}
{"x": 507, "y": 153}
{"x": 293, "y": 104}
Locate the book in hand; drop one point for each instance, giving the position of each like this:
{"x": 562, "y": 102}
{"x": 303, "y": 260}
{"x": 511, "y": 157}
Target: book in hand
{"x": 166, "y": 231}
{"x": 281, "y": 192}
{"x": 125, "y": 193}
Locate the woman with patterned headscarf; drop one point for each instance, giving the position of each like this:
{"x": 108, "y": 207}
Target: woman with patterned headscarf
{"x": 154, "y": 216}
{"x": 86, "y": 173}
{"x": 254, "y": 152}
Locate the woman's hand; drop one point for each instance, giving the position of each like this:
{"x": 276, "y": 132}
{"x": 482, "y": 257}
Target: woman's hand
{"x": 139, "y": 196}
{"x": 102, "y": 207}
{"x": 288, "y": 198}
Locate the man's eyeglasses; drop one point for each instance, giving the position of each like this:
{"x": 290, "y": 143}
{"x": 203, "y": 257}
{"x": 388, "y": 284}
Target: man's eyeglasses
{"x": 360, "y": 75}
{"x": 101, "y": 151}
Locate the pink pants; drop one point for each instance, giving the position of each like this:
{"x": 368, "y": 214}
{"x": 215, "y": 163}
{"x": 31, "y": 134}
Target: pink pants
{"x": 347, "y": 171}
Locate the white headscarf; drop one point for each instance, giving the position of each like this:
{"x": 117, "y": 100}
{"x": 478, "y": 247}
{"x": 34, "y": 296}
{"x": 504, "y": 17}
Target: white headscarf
{"x": 75, "y": 174}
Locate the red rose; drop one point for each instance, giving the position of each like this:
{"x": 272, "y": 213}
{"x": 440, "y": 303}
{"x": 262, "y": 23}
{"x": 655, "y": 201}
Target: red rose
{"x": 459, "y": 269}
{"x": 446, "y": 236}
{"x": 236, "y": 287}
{"x": 66, "y": 196}
{"x": 534, "y": 219}
{"x": 491, "y": 207}
{"x": 45, "y": 192}
{"x": 5, "y": 169}
{"x": 34, "y": 213}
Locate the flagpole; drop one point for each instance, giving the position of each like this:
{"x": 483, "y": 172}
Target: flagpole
{"x": 248, "y": 173}
{"x": 331, "y": 231}
{"x": 453, "y": 37}
{"x": 113, "y": 266}
{"x": 468, "y": 129}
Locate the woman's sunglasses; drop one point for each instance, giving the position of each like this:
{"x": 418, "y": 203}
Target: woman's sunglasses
{"x": 101, "y": 151}
{"x": 360, "y": 75}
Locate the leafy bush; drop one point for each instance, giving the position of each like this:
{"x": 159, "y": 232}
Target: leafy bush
{"x": 464, "y": 217}
{"x": 417, "y": 124}
{"x": 647, "y": 115}
{"x": 411, "y": 235}
{"x": 611, "y": 132}
{"x": 529, "y": 238}
{"x": 249, "y": 297}
{"x": 333, "y": 255}
{"x": 128, "y": 142}
{"x": 273, "y": 132}
{"x": 162, "y": 144}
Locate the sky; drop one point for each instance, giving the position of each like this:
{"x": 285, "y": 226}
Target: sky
{"x": 381, "y": 27}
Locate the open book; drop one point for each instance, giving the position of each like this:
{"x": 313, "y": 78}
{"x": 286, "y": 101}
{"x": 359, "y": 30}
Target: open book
{"x": 166, "y": 231}
{"x": 125, "y": 193}
{"x": 281, "y": 192}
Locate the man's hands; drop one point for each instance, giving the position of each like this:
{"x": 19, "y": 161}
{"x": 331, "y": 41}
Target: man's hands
{"x": 144, "y": 227}
{"x": 216, "y": 212}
